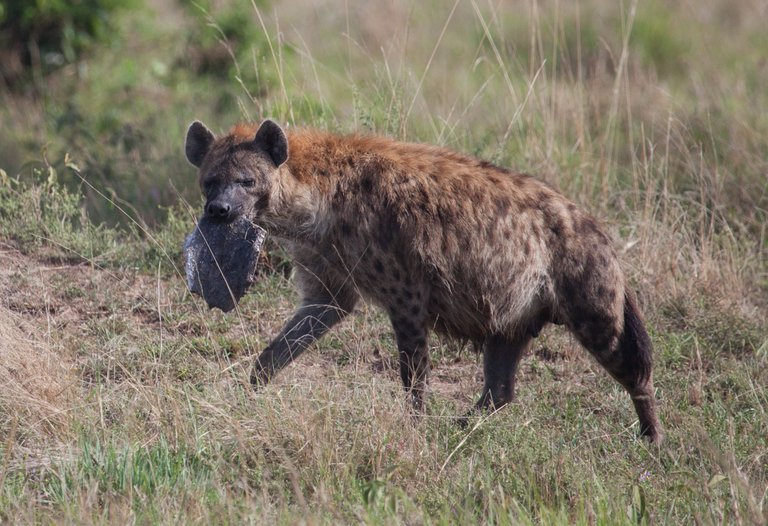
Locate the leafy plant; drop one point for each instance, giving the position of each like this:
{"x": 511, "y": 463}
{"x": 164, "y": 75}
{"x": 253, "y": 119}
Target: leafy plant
{"x": 39, "y": 213}
{"x": 50, "y": 33}
{"x": 227, "y": 42}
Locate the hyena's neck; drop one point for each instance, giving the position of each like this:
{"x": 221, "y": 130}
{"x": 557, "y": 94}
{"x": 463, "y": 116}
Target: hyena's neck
{"x": 297, "y": 204}
{"x": 294, "y": 210}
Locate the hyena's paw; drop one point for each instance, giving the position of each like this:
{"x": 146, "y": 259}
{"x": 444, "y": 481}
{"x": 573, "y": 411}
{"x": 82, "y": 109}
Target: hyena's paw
{"x": 653, "y": 434}
{"x": 259, "y": 376}
{"x": 417, "y": 407}
{"x": 484, "y": 408}
{"x": 463, "y": 421}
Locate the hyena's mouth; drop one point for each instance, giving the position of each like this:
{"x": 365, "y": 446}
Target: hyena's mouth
{"x": 220, "y": 260}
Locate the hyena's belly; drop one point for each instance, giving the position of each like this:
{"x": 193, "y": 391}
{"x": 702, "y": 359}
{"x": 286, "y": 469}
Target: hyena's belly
{"x": 502, "y": 299}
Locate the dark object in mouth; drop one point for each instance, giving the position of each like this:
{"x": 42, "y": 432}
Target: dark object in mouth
{"x": 220, "y": 260}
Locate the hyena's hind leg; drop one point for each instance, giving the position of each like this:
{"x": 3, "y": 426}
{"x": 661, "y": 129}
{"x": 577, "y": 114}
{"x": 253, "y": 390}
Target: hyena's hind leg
{"x": 411, "y": 335}
{"x": 623, "y": 348}
{"x": 501, "y": 358}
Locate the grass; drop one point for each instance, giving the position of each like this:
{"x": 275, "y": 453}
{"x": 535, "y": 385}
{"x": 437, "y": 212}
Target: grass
{"x": 122, "y": 399}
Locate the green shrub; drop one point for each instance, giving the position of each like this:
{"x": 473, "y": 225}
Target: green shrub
{"x": 227, "y": 42}
{"x": 50, "y": 33}
{"x": 42, "y": 215}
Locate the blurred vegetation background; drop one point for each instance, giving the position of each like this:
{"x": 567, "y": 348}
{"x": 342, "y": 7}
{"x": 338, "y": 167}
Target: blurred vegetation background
{"x": 114, "y": 83}
{"x": 575, "y": 92}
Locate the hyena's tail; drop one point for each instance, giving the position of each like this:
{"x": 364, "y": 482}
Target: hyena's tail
{"x": 633, "y": 367}
{"x": 627, "y": 356}
{"x": 634, "y": 345}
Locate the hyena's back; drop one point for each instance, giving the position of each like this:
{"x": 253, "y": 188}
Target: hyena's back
{"x": 501, "y": 253}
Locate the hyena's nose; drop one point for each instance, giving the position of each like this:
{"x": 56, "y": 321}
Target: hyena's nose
{"x": 218, "y": 210}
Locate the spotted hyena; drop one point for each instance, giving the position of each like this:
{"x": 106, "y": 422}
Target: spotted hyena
{"x": 442, "y": 241}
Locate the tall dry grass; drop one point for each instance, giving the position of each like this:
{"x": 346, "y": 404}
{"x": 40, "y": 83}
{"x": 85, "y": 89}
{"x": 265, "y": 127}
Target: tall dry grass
{"x": 37, "y": 387}
{"x": 662, "y": 143}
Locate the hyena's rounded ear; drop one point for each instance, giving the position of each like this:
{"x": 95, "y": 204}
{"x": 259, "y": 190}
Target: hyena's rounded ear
{"x": 198, "y": 142}
{"x": 271, "y": 139}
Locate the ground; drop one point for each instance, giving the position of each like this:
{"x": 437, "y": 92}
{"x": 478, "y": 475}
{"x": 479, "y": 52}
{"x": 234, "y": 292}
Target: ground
{"x": 129, "y": 399}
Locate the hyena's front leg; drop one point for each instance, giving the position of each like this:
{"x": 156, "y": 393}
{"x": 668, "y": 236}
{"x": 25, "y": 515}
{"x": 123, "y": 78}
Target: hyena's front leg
{"x": 313, "y": 319}
{"x": 411, "y": 336}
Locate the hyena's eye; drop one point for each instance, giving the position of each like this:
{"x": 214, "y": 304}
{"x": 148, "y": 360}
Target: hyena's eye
{"x": 248, "y": 183}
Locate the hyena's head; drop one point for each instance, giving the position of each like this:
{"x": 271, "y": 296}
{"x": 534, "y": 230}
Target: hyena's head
{"x": 236, "y": 171}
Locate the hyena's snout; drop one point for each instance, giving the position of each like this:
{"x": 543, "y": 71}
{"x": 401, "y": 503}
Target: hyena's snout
{"x": 220, "y": 210}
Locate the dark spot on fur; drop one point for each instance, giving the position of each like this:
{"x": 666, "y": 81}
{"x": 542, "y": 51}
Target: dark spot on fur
{"x": 597, "y": 333}
{"x": 527, "y": 201}
{"x": 587, "y": 225}
{"x": 570, "y": 291}
{"x": 346, "y": 229}
{"x": 396, "y": 274}
{"x": 408, "y": 294}
{"x": 593, "y": 325}
{"x": 389, "y": 227}
{"x": 502, "y": 204}
{"x": 553, "y": 221}
{"x": 590, "y": 269}
{"x": 415, "y": 310}
{"x": 527, "y": 248}
{"x": 367, "y": 178}
{"x": 378, "y": 266}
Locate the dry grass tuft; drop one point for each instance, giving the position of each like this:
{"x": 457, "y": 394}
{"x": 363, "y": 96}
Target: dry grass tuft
{"x": 36, "y": 385}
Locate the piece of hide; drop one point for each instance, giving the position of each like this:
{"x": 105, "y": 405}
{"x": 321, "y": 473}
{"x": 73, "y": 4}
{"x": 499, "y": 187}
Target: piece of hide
{"x": 220, "y": 260}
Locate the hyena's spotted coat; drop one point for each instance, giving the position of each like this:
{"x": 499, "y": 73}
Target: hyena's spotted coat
{"x": 441, "y": 240}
